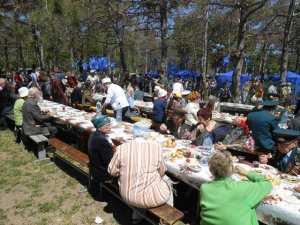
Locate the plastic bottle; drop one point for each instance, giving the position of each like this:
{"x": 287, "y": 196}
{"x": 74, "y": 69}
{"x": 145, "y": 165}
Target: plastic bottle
{"x": 98, "y": 108}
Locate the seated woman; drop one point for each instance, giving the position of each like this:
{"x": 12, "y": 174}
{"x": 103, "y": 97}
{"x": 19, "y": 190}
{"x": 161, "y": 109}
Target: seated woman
{"x": 159, "y": 112}
{"x": 225, "y": 201}
{"x": 100, "y": 151}
{"x": 141, "y": 170}
{"x": 205, "y": 128}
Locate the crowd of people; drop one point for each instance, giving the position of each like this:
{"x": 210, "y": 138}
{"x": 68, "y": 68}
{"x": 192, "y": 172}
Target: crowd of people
{"x": 138, "y": 164}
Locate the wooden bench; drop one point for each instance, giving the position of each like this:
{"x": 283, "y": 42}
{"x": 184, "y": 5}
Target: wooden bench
{"x": 167, "y": 213}
{"x": 41, "y": 141}
{"x": 71, "y": 152}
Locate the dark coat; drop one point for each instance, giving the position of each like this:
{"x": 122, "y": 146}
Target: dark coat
{"x": 100, "y": 154}
{"x": 33, "y": 119}
{"x": 262, "y": 124}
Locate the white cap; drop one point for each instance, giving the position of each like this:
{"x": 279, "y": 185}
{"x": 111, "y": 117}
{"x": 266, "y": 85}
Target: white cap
{"x": 157, "y": 88}
{"x": 162, "y": 93}
{"x": 23, "y": 92}
{"x": 186, "y": 92}
{"x": 106, "y": 80}
{"x": 92, "y": 71}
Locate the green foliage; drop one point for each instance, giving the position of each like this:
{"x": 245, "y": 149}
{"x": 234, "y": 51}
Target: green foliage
{"x": 80, "y": 29}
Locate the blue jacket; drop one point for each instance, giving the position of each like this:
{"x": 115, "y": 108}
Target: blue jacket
{"x": 262, "y": 124}
{"x": 159, "y": 107}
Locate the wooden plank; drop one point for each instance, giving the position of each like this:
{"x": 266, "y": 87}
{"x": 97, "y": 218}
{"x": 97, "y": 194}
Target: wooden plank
{"x": 167, "y": 213}
{"x": 70, "y": 151}
{"x": 43, "y": 138}
{"x": 35, "y": 138}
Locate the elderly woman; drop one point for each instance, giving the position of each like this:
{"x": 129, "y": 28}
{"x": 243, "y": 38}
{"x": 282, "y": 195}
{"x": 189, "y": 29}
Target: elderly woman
{"x": 100, "y": 149}
{"x": 34, "y": 122}
{"x": 225, "y": 201}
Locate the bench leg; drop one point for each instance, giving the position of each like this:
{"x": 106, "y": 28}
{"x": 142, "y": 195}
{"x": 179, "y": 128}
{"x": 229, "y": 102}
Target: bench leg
{"x": 41, "y": 152}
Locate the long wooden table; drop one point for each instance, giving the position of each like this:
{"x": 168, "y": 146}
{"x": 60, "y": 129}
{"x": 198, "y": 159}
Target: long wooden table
{"x": 284, "y": 212}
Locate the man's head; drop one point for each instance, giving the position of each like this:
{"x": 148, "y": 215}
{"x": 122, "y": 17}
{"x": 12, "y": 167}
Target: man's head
{"x": 102, "y": 123}
{"x": 34, "y": 93}
{"x": 106, "y": 82}
{"x": 220, "y": 165}
{"x": 287, "y": 139}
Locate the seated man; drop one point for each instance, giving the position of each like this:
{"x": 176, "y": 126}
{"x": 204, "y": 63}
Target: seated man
{"x": 262, "y": 123}
{"x": 34, "y": 122}
{"x": 100, "y": 151}
{"x": 287, "y": 158}
{"x": 6, "y": 99}
{"x": 141, "y": 171}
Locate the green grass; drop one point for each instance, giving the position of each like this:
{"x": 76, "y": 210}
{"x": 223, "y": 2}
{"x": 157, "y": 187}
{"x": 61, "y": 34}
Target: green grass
{"x": 39, "y": 193}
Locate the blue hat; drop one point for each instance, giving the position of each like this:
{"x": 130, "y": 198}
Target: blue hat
{"x": 269, "y": 103}
{"x": 287, "y": 134}
{"x": 100, "y": 121}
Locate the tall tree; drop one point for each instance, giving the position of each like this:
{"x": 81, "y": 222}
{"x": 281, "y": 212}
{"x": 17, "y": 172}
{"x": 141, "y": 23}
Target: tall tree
{"x": 286, "y": 36}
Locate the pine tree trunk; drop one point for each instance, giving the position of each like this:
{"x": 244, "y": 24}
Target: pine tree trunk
{"x": 284, "y": 54}
{"x": 239, "y": 60}
{"x": 297, "y": 62}
{"x": 6, "y": 56}
{"x": 204, "y": 58}
{"x": 163, "y": 35}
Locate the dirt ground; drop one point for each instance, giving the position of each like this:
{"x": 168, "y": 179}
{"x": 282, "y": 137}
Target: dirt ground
{"x": 40, "y": 193}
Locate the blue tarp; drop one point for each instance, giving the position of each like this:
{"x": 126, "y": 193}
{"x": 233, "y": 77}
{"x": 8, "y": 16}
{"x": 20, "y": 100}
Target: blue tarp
{"x": 98, "y": 63}
{"x": 224, "y": 78}
{"x": 184, "y": 74}
{"x": 153, "y": 74}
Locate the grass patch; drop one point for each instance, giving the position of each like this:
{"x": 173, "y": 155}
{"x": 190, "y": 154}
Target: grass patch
{"x": 47, "y": 207}
{"x": 24, "y": 204}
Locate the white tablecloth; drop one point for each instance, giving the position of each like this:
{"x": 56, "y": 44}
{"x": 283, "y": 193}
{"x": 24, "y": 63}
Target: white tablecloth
{"x": 284, "y": 211}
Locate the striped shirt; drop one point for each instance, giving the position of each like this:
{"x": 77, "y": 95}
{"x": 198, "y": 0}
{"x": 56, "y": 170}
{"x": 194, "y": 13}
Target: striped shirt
{"x": 140, "y": 167}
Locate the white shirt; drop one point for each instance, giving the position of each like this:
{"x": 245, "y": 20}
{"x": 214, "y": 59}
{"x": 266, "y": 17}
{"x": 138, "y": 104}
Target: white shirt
{"x": 272, "y": 89}
{"x": 116, "y": 97}
{"x": 191, "y": 113}
{"x": 177, "y": 87}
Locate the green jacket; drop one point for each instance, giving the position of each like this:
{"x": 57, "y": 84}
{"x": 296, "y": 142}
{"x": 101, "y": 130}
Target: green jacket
{"x": 229, "y": 202}
{"x": 18, "y": 112}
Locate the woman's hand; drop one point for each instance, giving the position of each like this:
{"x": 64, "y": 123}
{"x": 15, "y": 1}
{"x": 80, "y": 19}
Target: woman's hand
{"x": 240, "y": 170}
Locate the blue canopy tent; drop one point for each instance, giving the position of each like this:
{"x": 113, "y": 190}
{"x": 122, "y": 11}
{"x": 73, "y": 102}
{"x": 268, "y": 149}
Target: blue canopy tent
{"x": 224, "y": 78}
{"x": 98, "y": 63}
{"x": 185, "y": 74}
